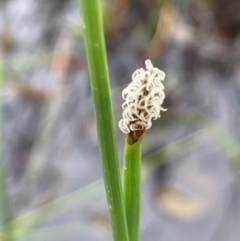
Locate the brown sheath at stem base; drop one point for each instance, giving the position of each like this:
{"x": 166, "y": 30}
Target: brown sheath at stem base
{"x": 134, "y": 136}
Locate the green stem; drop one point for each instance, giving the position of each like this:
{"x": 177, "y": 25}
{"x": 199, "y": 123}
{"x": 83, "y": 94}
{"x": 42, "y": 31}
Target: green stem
{"x": 132, "y": 186}
{"x": 92, "y": 23}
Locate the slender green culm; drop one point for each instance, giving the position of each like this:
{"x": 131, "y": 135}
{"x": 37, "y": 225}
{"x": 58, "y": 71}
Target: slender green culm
{"x": 143, "y": 103}
{"x": 92, "y": 24}
{"x": 132, "y": 186}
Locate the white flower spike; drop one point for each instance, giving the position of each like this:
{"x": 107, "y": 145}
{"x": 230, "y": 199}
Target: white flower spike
{"x": 143, "y": 99}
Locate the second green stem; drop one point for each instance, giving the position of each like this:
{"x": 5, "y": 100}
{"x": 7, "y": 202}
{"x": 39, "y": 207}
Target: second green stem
{"x": 132, "y": 186}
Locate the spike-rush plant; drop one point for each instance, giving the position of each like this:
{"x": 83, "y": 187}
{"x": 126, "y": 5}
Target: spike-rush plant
{"x": 143, "y": 99}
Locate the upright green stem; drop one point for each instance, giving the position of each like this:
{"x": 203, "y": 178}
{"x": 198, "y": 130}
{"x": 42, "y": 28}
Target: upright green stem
{"x": 132, "y": 186}
{"x": 98, "y": 69}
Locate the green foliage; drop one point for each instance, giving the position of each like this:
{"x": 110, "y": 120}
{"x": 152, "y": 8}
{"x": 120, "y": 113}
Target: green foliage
{"x": 132, "y": 186}
{"x": 92, "y": 23}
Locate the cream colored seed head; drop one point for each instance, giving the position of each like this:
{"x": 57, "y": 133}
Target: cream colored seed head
{"x": 143, "y": 99}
